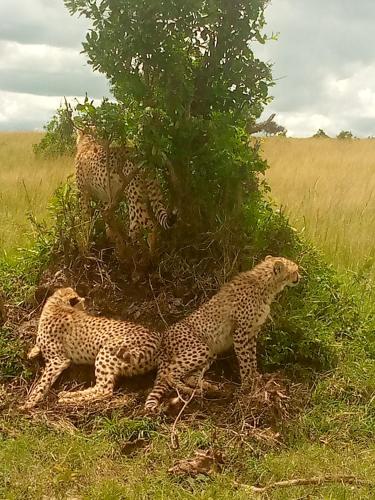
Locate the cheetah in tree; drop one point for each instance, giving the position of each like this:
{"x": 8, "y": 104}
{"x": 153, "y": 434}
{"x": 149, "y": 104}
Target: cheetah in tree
{"x": 233, "y": 316}
{"x": 108, "y": 175}
{"x": 68, "y": 334}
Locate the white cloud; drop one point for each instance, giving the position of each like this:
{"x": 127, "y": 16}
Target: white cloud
{"x": 47, "y": 70}
{"x": 45, "y": 58}
{"x": 324, "y": 65}
{"x": 41, "y": 22}
{"x": 28, "y": 111}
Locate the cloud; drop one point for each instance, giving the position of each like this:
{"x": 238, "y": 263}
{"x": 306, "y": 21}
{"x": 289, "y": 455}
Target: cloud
{"x": 323, "y": 64}
{"x": 20, "y": 111}
{"x": 41, "y": 22}
{"x": 47, "y": 70}
{"x": 40, "y": 62}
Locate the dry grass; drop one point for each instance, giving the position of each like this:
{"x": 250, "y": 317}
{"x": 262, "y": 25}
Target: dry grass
{"x": 328, "y": 189}
{"x": 26, "y": 185}
{"x": 326, "y": 186}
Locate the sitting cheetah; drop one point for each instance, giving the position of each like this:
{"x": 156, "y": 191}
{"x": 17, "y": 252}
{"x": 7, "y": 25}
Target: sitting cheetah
{"x": 68, "y": 334}
{"x": 233, "y": 316}
{"x": 108, "y": 176}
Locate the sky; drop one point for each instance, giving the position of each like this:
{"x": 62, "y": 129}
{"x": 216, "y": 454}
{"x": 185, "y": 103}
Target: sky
{"x": 323, "y": 64}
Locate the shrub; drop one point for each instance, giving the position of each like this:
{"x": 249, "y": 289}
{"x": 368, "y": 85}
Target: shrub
{"x": 59, "y": 138}
{"x": 345, "y": 134}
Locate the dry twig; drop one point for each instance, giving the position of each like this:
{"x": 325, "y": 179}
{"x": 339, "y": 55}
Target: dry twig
{"x": 174, "y": 438}
{"x": 317, "y": 481}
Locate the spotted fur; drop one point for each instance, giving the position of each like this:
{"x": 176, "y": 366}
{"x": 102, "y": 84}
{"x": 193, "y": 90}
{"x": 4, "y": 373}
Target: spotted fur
{"x": 100, "y": 175}
{"x": 233, "y": 316}
{"x": 68, "y": 334}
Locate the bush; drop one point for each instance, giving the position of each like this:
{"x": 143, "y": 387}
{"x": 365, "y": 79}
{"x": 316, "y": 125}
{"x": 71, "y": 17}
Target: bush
{"x": 12, "y": 362}
{"x": 59, "y": 138}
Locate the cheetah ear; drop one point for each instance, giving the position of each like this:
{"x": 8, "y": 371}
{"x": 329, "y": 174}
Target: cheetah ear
{"x": 268, "y": 257}
{"x": 278, "y": 266}
{"x": 74, "y": 301}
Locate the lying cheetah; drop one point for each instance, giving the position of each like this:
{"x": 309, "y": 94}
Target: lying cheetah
{"x": 233, "y": 316}
{"x": 68, "y": 334}
{"x": 108, "y": 175}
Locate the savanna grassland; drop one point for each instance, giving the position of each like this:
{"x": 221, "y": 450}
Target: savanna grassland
{"x": 26, "y": 184}
{"x": 327, "y": 187}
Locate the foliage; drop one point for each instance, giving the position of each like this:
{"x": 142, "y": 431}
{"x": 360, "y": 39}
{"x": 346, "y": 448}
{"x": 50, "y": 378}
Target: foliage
{"x": 345, "y": 134}
{"x": 321, "y": 134}
{"x": 65, "y": 235}
{"x": 59, "y": 138}
{"x": 186, "y": 82}
{"x": 12, "y": 362}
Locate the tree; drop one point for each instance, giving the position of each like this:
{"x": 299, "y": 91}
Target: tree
{"x": 345, "y": 134}
{"x": 186, "y": 82}
{"x": 321, "y": 134}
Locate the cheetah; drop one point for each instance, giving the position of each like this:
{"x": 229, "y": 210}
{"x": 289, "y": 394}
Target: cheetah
{"x": 233, "y": 316}
{"x": 108, "y": 175}
{"x": 68, "y": 334}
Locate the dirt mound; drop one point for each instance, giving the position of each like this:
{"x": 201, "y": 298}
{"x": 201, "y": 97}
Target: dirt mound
{"x": 157, "y": 300}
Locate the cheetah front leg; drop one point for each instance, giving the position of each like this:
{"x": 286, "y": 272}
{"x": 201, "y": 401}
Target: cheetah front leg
{"x": 245, "y": 340}
{"x": 51, "y": 372}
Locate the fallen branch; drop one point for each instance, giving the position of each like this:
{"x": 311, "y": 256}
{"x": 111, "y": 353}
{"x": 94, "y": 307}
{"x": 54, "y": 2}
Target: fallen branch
{"x": 258, "y": 127}
{"x": 318, "y": 481}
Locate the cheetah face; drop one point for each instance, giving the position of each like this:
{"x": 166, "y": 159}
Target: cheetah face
{"x": 286, "y": 271}
{"x": 70, "y": 298}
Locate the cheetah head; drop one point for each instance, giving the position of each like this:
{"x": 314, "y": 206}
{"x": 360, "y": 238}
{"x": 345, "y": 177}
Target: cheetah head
{"x": 87, "y": 135}
{"x": 285, "y": 271}
{"x": 69, "y": 297}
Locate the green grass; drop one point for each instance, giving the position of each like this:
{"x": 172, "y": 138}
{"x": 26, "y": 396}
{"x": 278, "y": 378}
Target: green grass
{"x": 335, "y": 432}
{"x": 38, "y": 462}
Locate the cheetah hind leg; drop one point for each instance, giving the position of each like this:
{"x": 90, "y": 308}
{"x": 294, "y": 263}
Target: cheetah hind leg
{"x": 89, "y": 395}
{"x": 193, "y": 382}
{"x": 196, "y": 380}
{"x": 115, "y": 233}
{"x": 105, "y": 374}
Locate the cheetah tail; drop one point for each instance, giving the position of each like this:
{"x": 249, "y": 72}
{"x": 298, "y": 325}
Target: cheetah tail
{"x": 160, "y": 389}
{"x": 34, "y": 352}
{"x": 165, "y": 218}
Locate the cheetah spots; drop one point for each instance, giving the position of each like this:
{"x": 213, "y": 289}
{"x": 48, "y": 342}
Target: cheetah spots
{"x": 232, "y": 317}
{"x": 68, "y": 334}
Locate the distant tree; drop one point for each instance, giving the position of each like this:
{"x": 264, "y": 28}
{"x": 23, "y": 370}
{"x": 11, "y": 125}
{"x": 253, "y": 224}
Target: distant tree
{"x": 345, "y": 134}
{"x": 321, "y": 134}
